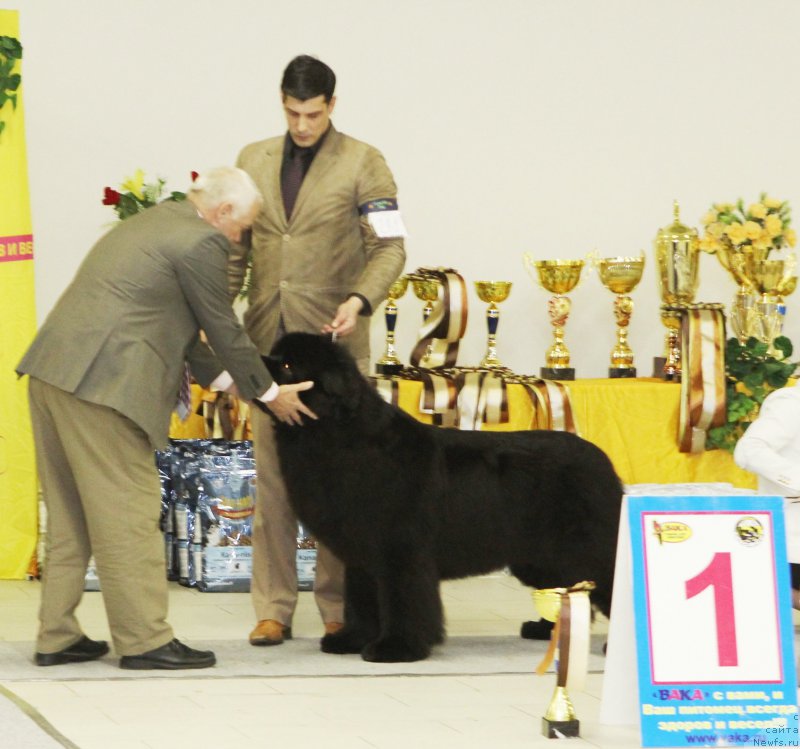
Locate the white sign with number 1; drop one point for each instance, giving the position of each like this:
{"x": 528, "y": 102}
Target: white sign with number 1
{"x": 713, "y": 632}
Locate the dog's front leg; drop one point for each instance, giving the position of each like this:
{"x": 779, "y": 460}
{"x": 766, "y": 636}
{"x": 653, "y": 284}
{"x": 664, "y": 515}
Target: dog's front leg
{"x": 410, "y": 610}
{"x": 360, "y": 614}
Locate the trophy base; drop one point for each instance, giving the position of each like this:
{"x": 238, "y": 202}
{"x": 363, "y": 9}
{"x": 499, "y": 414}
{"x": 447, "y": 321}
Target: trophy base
{"x": 560, "y": 729}
{"x": 659, "y": 362}
{"x": 557, "y": 373}
{"x": 617, "y": 372}
{"x": 388, "y": 369}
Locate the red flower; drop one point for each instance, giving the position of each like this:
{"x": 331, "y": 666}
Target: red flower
{"x": 110, "y": 197}
{"x": 195, "y": 175}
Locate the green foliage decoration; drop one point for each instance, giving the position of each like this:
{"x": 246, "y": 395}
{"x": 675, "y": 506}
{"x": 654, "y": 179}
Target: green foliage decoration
{"x": 751, "y": 373}
{"x": 10, "y": 53}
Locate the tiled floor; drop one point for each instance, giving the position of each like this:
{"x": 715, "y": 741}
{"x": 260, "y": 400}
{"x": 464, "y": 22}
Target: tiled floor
{"x": 383, "y": 712}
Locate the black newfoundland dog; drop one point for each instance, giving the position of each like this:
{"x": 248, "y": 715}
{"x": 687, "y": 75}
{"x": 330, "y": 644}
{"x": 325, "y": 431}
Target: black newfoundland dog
{"x": 405, "y": 504}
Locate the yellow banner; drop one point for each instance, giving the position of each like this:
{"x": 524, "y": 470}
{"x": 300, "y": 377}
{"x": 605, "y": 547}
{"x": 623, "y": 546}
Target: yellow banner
{"x": 18, "y": 487}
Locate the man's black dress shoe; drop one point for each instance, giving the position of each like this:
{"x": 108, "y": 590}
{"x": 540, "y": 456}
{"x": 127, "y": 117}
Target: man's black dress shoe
{"x": 82, "y": 650}
{"x": 172, "y": 656}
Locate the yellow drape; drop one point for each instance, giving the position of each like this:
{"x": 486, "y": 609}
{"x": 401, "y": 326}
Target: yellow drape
{"x": 18, "y": 489}
{"x": 635, "y": 421}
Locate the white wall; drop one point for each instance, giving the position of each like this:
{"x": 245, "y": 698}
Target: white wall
{"x": 513, "y": 126}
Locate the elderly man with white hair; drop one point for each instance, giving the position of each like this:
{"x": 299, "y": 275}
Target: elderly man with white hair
{"x": 105, "y": 371}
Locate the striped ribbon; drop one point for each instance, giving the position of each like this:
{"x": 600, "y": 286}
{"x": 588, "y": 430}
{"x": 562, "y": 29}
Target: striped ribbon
{"x": 441, "y": 333}
{"x": 551, "y": 405}
{"x": 702, "y": 404}
{"x": 570, "y": 638}
{"x": 468, "y": 398}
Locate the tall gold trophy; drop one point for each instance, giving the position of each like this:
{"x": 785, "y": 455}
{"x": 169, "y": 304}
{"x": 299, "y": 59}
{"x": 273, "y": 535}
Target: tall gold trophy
{"x": 389, "y": 363}
{"x": 492, "y": 292}
{"x": 558, "y": 277}
{"x": 570, "y": 609}
{"x": 620, "y": 275}
{"x": 677, "y": 257}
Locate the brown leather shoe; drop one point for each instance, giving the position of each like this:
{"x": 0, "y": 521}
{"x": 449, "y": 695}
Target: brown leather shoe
{"x": 331, "y": 628}
{"x": 270, "y": 632}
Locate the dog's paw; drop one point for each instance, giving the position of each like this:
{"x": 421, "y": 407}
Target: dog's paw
{"x": 395, "y": 650}
{"x": 342, "y": 642}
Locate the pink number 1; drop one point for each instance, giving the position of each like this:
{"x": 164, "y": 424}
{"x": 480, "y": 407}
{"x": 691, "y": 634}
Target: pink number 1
{"x": 718, "y": 575}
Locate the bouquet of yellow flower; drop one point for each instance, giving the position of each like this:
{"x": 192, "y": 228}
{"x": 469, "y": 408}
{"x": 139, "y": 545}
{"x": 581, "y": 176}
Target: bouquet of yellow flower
{"x": 762, "y": 226}
{"x": 137, "y": 195}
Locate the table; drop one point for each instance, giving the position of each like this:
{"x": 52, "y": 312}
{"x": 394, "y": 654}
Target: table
{"x": 635, "y": 421}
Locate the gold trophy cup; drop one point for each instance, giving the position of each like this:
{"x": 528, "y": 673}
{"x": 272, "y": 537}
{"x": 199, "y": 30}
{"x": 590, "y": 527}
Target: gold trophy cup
{"x": 770, "y": 280}
{"x": 492, "y": 292}
{"x": 389, "y": 363}
{"x": 570, "y": 639}
{"x": 677, "y": 257}
{"x": 742, "y": 313}
{"x": 620, "y": 275}
{"x": 558, "y": 277}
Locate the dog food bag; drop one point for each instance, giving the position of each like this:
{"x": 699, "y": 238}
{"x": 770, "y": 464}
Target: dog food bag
{"x": 166, "y": 519}
{"x": 226, "y": 505}
{"x": 306, "y": 559}
{"x": 188, "y": 491}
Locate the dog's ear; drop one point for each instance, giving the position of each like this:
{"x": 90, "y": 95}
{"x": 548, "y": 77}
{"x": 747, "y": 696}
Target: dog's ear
{"x": 340, "y": 385}
{"x": 273, "y": 364}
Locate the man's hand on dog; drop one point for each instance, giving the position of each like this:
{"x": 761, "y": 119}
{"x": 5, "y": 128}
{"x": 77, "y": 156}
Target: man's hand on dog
{"x": 287, "y": 406}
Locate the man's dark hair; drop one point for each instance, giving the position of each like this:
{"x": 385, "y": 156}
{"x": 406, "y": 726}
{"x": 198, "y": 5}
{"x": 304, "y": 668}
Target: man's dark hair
{"x": 306, "y": 77}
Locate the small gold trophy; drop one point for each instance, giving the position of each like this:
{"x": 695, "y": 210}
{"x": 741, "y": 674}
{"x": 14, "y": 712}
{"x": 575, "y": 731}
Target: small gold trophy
{"x": 492, "y": 292}
{"x": 569, "y": 608}
{"x": 677, "y": 257}
{"x": 620, "y": 275}
{"x": 558, "y": 277}
{"x": 742, "y": 314}
{"x": 389, "y": 363}
{"x": 427, "y": 290}
{"x": 771, "y": 280}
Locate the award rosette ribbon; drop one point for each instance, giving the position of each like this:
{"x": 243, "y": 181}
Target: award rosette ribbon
{"x": 444, "y": 326}
{"x": 570, "y": 609}
{"x": 703, "y": 403}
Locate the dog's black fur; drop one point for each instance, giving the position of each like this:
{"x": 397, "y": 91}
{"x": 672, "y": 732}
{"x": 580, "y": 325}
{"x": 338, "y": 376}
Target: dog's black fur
{"x": 404, "y": 504}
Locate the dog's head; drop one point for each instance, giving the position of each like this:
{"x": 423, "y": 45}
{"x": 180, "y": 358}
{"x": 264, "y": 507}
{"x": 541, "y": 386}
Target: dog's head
{"x": 338, "y": 384}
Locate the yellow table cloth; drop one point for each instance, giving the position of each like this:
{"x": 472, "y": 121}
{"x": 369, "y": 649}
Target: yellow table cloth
{"x": 635, "y": 421}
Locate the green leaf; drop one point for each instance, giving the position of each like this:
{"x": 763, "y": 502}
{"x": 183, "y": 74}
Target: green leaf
{"x": 784, "y": 345}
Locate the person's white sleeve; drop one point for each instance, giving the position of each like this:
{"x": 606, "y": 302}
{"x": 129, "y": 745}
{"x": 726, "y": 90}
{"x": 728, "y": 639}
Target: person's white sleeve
{"x": 222, "y": 381}
{"x": 271, "y": 394}
{"x": 777, "y": 426}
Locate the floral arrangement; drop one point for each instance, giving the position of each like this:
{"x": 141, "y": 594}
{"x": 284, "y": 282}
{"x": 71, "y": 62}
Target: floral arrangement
{"x": 752, "y": 373}
{"x": 137, "y": 195}
{"x": 761, "y": 226}
{"x": 10, "y": 54}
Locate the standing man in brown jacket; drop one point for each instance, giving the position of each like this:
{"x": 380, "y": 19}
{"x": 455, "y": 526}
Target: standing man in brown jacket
{"x": 325, "y": 248}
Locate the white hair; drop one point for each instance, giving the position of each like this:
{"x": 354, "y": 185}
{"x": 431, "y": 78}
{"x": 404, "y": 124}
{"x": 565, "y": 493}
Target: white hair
{"x": 226, "y": 184}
